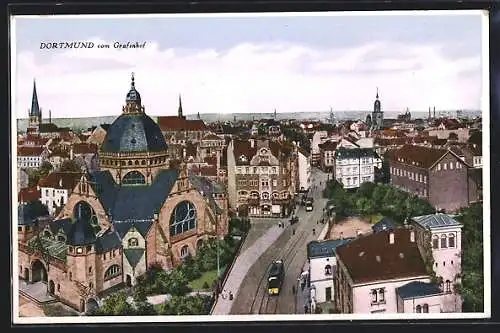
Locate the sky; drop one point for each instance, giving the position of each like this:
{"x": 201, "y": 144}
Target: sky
{"x": 251, "y": 64}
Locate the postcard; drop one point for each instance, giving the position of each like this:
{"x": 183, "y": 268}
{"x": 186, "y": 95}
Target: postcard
{"x": 255, "y": 167}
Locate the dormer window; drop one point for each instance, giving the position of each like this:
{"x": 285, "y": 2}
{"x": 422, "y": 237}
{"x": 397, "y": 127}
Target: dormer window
{"x": 79, "y": 250}
{"x": 328, "y": 270}
{"x": 243, "y": 158}
{"x": 133, "y": 242}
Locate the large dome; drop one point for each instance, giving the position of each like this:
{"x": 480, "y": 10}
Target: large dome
{"x": 134, "y": 132}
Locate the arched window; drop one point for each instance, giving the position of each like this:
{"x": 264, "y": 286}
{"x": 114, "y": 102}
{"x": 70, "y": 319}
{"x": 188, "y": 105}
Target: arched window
{"x": 426, "y": 308}
{"x": 328, "y": 270}
{"x": 444, "y": 243}
{"x": 381, "y": 295}
{"x": 83, "y": 211}
{"x": 448, "y": 286}
{"x": 184, "y": 251}
{"x": 112, "y": 271}
{"x": 183, "y": 218}
{"x": 451, "y": 240}
{"x": 132, "y": 242}
{"x": 61, "y": 238}
{"x": 275, "y": 195}
{"x": 265, "y": 195}
{"x": 134, "y": 177}
{"x": 374, "y": 296}
{"x": 435, "y": 242}
{"x": 129, "y": 162}
{"x": 254, "y": 195}
{"x": 418, "y": 309}
{"x": 47, "y": 233}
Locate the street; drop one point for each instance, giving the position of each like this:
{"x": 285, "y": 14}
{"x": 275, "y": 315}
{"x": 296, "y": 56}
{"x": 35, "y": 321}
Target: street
{"x": 252, "y": 297}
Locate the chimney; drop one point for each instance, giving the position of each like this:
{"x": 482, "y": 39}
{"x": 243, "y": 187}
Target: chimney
{"x": 434, "y": 112}
{"x": 50, "y": 116}
{"x": 412, "y": 236}
{"x": 60, "y": 182}
{"x": 71, "y": 153}
{"x": 391, "y": 238}
{"x": 252, "y": 143}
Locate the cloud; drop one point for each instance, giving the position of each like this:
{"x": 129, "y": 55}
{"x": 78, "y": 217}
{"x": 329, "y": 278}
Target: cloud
{"x": 248, "y": 78}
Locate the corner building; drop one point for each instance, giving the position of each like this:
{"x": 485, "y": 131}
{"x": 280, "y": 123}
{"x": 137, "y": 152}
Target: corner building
{"x": 118, "y": 221}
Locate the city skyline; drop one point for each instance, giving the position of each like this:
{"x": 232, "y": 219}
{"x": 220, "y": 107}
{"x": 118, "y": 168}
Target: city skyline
{"x": 253, "y": 63}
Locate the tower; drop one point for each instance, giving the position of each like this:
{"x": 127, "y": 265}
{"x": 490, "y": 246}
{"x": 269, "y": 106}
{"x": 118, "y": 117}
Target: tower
{"x": 179, "y": 110}
{"x": 377, "y": 114}
{"x": 35, "y": 113}
{"x": 133, "y": 99}
{"x": 274, "y": 114}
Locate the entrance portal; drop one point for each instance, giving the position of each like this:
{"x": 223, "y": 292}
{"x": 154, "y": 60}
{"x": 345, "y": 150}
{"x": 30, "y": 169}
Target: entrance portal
{"x": 38, "y": 271}
{"x": 92, "y": 305}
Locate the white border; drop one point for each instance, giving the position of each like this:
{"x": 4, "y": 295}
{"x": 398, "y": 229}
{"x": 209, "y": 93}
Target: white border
{"x": 295, "y": 317}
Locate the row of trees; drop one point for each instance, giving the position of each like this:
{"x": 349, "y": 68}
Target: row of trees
{"x": 472, "y": 282}
{"x": 371, "y": 198}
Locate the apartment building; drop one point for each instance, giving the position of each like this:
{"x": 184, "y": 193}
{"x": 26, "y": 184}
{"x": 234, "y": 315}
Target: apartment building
{"x": 438, "y": 175}
{"x": 354, "y": 166}
{"x": 262, "y": 178}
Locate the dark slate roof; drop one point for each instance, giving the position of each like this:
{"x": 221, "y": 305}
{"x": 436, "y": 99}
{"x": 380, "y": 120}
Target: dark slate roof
{"x": 342, "y": 152}
{"x": 206, "y": 187}
{"x": 64, "y": 224}
{"x": 108, "y": 241}
{"x": 417, "y": 289}
{"x": 433, "y": 221}
{"x": 385, "y": 223}
{"x": 30, "y": 211}
{"x": 325, "y": 248}
{"x": 134, "y": 132}
{"x": 133, "y": 256}
{"x": 133, "y": 203}
{"x": 123, "y": 227}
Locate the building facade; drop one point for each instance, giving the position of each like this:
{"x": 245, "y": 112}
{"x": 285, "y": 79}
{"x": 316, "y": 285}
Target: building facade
{"x": 31, "y": 157}
{"x": 354, "y": 166}
{"x": 437, "y": 175}
{"x": 56, "y": 187}
{"x": 304, "y": 170}
{"x": 261, "y": 177}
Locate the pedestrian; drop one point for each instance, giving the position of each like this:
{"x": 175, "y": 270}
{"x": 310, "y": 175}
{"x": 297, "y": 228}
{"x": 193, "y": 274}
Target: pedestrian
{"x": 231, "y": 296}
{"x": 293, "y": 231}
{"x": 314, "y": 231}
{"x": 306, "y": 308}
{"x": 293, "y": 289}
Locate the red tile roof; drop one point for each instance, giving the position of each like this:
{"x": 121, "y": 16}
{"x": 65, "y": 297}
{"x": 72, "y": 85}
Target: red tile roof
{"x": 211, "y": 136}
{"x": 205, "y": 171}
{"x": 85, "y": 148}
{"x": 30, "y": 151}
{"x": 420, "y": 156}
{"x": 28, "y": 194}
{"x": 176, "y": 123}
{"x": 61, "y": 180}
{"x": 372, "y": 258}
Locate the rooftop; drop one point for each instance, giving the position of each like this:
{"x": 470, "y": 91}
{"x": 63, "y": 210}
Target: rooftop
{"x": 316, "y": 249}
{"x": 417, "y": 289}
{"x": 434, "y": 221}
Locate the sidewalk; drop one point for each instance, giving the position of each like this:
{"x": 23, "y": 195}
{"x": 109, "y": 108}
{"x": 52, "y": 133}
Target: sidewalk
{"x": 241, "y": 266}
{"x": 303, "y": 296}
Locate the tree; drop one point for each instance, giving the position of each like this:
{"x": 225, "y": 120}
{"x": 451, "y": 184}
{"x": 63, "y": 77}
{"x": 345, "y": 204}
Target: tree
{"x": 471, "y": 287}
{"x": 378, "y": 195}
{"x": 45, "y": 168}
{"x": 116, "y": 305}
{"x": 453, "y": 136}
{"x": 69, "y": 166}
{"x": 366, "y": 189}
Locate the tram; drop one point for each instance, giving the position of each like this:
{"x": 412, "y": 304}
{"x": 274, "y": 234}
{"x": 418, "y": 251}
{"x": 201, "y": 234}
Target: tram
{"x": 276, "y": 277}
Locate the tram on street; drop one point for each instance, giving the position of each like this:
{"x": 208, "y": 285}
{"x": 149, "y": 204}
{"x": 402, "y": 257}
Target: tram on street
{"x": 309, "y": 205}
{"x": 276, "y": 277}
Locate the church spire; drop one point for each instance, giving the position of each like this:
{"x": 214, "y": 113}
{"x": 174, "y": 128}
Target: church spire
{"x": 35, "y": 108}
{"x": 179, "y": 111}
{"x": 377, "y": 94}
